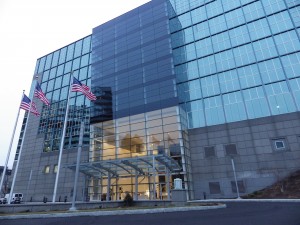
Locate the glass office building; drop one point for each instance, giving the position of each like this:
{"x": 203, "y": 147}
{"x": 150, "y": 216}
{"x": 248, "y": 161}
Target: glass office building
{"x": 39, "y": 158}
{"x": 185, "y": 89}
{"x": 235, "y": 60}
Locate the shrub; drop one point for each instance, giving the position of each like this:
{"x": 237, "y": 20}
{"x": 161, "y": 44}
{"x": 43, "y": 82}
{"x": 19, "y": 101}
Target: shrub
{"x": 128, "y": 200}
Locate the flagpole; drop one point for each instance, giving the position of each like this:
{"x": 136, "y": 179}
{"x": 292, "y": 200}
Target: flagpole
{"x": 73, "y": 208}
{"x": 62, "y": 141}
{"x": 19, "y": 157}
{"x": 10, "y": 146}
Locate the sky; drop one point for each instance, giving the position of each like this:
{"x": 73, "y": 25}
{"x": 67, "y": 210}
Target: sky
{"x": 30, "y": 29}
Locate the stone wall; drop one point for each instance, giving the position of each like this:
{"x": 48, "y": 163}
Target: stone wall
{"x": 263, "y": 151}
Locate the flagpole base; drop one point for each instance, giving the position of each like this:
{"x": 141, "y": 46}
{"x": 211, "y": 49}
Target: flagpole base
{"x": 73, "y": 209}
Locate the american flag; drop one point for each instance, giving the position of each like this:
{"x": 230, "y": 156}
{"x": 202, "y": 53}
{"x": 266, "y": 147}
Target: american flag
{"x": 78, "y": 86}
{"x": 25, "y": 104}
{"x": 40, "y": 94}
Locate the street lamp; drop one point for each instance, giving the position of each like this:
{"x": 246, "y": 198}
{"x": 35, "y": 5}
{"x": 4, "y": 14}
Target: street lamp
{"x": 235, "y": 179}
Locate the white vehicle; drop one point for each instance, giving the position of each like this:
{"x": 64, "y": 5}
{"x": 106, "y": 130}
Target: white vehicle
{"x": 16, "y": 198}
{"x": 3, "y": 200}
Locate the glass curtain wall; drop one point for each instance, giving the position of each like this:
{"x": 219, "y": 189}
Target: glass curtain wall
{"x": 146, "y": 134}
{"x": 137, "y": 114}
{"x": 54, "y": 71}
{"x": 235, "y": 59}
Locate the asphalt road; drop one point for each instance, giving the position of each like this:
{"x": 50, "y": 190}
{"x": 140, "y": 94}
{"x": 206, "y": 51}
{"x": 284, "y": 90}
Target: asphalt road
{"x": 243, "y": 213}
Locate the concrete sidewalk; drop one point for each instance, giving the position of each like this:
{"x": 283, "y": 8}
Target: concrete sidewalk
{"x": 111, "y": 212}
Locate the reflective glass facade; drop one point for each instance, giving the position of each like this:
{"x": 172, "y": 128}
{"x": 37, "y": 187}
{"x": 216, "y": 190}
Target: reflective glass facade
{"x": 137, "y": 113}
{"x": 235, "y": 60}
{"x": 54, "y": 71}
{"x": 43, "y": 135}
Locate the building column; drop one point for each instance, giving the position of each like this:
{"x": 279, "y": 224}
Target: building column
{"x": 108, "y": 187}
{"x": 136, "y": 185}
{"x": 168, "y": 183}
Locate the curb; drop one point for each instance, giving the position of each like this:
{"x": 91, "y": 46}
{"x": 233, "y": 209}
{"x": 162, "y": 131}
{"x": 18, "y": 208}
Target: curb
{"x": 246, "y": 200}
{"x": 115, "y": 212}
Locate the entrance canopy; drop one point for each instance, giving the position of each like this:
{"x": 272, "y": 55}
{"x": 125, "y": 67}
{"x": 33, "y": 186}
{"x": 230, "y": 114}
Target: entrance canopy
{"x": 142, "y": 165}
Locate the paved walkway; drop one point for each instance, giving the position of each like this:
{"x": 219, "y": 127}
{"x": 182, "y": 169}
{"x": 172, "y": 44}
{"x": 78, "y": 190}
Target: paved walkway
{"x": 112, "y": 212}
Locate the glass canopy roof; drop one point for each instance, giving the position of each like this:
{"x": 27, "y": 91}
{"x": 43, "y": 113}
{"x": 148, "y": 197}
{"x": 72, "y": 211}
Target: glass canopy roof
{"x": 142, "y": 165}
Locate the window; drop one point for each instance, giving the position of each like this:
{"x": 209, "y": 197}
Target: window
{"x": 210, "y": 86}
{"x": 201, "y": 30}
{"x": 195, "y": 114}
{"x": 55, "y": 168}
{"x": 265, "y": 49}
{"x": 194, "y": 90}
{"x": 295, "y": 85}
{"x": 217, "y": 24}
{"x": 62, "y": 55}
{"x": 214, "y": 188}
{"x": 230, "y": 149}
{"x": 185, "y": 20}
{"x": 178, "y": 39}
{"x": 235, "y": 18}
{"x": 280, "y": 22}
{"x": 70, "y": 52}
{"x": 243, "y": 55}
{"x": 271, "y": 70}
{"x": 214, "y": 111}
{"x": 295, "y": 14}
{"x": 259, "y": 29}
{"x": 48, "y": 61}
{"x": 179, "y": 55}
{"x": 204, "y": 47}
{"x": 256, "y": 103}
{"x": 86, "y": 45}
{"x": 47, "y": 169}
{"x": 214, "y": 8}
{"x": 190, "y": 52}
{"x": 221, "y": 42}
{"x": 280, "y": 144}
{"x": 78, "y": 48}
{"x": 253, "y": 11}
{"x": 272, "y": 6}
{"x": 55, "y": 58}
{"x": 249, "y": 76}
{"x": 234, "y": 107}
{"x": 207, "y": 66}
{"x": 225, "y": 60}
{"x": 291, "y": 64}
{"x": 198, "y": 15}
{"x": 239, "y": 36}
{"x": 287, "y": 42}
{"x": 240, "y": 185}
{"x": 175, "y": 24}
{"x": 229, "y": 81}
{"x": 280, "y": 98}
{"x": 187, "y": 71}
{"x": 231, "y": 4}
{"x": 209, "y": 151}
{"x": 42, "y": 64}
